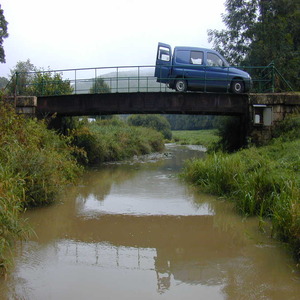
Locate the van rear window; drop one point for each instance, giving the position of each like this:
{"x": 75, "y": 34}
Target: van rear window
{"x": 164, "y": 53}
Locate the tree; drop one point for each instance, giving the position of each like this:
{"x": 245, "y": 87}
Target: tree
{"x": 278, "y": 39}
{"x": 47, "y": 83}
{"x": 21, "y": 76}
{"x": 3, "y": 34}
{"x": 191, "y": 122}
{"x": 3, "y": 82}
{"x": 234, "y": 42}
{"x": 99, "y": 86}
{"x": 29, "y": 80}
{"x": 260, "y": 32}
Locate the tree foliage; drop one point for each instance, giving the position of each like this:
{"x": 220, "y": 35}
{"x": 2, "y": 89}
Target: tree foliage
{"x": 191, "y": 122}
{"x": 156, "y": 122}
{"x": 3, "y": 82}
{"x": 235, "y": 41}
{"x": 48, "y": 83}
{"x": 29, "y": 80}
{"x": 259, "y": 32}
{"x": 3, "y": 34}
{"x": 99, "y": 86}
{"x": 24, "y": 71}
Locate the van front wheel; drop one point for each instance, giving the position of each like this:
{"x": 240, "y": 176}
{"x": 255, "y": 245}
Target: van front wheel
{"x": 181, "y": 85}
{"x": 237, "y": 86}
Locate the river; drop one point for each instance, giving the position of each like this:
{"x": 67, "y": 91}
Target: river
{"x": 133, "y": 230}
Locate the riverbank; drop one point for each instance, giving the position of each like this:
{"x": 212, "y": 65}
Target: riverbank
{"x": 263, "y": 181}
{"x": 206, "y": 138}
{"x": 37, "y": 163}
{"x": 113, "y": 139}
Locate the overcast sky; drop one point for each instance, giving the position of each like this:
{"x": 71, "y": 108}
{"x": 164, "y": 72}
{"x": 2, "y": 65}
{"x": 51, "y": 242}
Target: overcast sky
{"x": 62, "y": 34}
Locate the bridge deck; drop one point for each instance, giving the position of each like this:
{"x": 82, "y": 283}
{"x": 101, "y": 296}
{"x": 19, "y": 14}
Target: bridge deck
{"x": 144, "y": 102}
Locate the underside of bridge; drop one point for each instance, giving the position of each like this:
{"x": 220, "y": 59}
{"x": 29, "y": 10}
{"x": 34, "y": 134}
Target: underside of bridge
{"x": 141, "y": 103}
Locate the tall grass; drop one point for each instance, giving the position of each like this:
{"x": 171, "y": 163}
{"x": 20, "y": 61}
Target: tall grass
{"x": 260, "y": 181}
{"x": 35, "y": 163}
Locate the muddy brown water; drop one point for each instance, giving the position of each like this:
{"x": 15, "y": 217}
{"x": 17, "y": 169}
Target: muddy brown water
{"x": 133, "y": 230}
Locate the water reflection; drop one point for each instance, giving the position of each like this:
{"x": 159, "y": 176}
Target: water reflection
{"x": 134, "y": 231}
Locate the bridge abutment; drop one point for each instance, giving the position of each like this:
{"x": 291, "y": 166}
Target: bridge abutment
{"x": 25, "y": 105}
{"x": 267, "y": 110}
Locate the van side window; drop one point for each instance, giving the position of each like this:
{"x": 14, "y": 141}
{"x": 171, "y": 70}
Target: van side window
{"x": 163, "y": 54}
{"x": 196, "y": 57}
{"x": 214, "y": 60}
{"x": 183, "y": 57}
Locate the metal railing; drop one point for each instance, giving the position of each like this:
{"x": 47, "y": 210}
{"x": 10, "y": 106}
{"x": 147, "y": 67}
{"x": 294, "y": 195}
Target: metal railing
{"x": 125, "y": 79}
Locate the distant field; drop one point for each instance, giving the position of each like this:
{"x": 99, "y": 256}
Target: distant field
{"x": 205, "y": 138}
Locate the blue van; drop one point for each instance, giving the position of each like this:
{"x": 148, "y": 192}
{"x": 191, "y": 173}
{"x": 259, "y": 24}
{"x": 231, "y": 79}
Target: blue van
{"x": 191, "y": 68}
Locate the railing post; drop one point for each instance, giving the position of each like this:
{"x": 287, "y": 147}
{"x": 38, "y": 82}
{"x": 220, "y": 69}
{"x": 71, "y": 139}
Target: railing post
{"x": 138, "y": 79}
{"x": 75, "y": 82}
{"x": 16, "y": 89}
{"x": 95, "y": 84}
{"x": 117, "y": 84}
{"x": 272, "y": 77}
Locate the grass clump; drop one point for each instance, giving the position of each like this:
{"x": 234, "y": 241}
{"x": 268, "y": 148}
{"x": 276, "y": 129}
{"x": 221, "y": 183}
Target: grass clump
{"x": 35, "y": 163}
{"x": 260, "y": 181}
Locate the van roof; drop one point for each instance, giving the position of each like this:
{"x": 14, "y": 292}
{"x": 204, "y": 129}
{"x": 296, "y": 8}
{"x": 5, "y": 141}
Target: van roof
{"x": 194, "y": 49}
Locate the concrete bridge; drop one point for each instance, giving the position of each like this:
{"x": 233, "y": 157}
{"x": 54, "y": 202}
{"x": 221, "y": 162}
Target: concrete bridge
{"x": 258, "y": 113}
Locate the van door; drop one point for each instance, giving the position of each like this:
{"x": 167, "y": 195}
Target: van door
{"x": 196, "y": 71}
{"x": 163, "y": 63}
{"x": 216, "y": 72}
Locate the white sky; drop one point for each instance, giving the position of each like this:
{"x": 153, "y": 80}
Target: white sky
{"x": 62, "y": 34}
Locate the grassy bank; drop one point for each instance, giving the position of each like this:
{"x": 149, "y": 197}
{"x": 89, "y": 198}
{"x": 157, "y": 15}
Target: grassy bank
{"x": 261, "y": 181}
{"x": 35, "y": 163}
{"x": 111, "y": 140}
{"x": 206, "y": 138}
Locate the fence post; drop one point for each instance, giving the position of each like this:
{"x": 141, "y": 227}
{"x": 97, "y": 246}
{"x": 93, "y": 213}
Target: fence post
{"x": 75, "y": 82}
{"x": 138, "y": 79}
{"x": 16, "y": 89}
{"x": 272, "y": 77}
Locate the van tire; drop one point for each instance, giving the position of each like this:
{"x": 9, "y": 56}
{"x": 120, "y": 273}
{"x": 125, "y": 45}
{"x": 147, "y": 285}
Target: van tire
{"x": 181, "y": 85}
{"x": 237, "y": 86}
